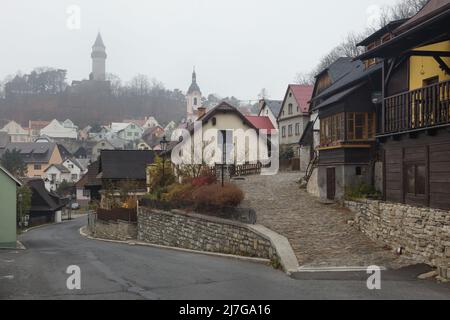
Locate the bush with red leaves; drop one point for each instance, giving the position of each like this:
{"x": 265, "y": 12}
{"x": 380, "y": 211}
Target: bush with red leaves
{"x": 216, "y": 196}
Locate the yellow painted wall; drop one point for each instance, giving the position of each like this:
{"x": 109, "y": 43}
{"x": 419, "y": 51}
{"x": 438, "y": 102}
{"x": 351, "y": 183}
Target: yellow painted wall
{"x": 54, "y": 159}
{"x": 430, "y": 66}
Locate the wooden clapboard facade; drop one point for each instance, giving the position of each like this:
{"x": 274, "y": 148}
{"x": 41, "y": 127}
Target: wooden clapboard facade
{"x": 343, "y": 100}
{"x": 414, "y": 120}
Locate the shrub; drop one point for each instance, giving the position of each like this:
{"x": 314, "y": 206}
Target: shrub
{"x": 207, "y": 198}
{"x": 215, "y": 195}
{"x": 362, "y": 191}
{"x": 178, "y": 192}
{"x": 130, "y": 203}
{"x": 287, "y": 154}
{"x": 203, "y": 181}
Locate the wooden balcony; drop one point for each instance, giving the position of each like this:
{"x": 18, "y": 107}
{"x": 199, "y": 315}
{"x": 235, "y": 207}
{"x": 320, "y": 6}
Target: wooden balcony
{"x": 424, "y": 108}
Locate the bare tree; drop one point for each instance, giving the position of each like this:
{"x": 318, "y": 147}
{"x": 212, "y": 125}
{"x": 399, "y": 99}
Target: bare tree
{"x": 304, "y": 78}
{"x": 116, "y": 83}
{"x": 140, "y": 85}
{"x": 348, "y": 48}
{"x": 401, "y": 10}
{"x": 2, "y": 90}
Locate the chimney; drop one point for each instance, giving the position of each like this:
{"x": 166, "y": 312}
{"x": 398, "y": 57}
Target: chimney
{"x": 201, "y": 112}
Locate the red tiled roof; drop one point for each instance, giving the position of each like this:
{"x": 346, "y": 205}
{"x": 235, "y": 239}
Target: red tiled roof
{"x": 38, "y": 124}
{"x": 302, "y": 94}
{"x": 261, "y": 123}
{"x": 139, "y": 122}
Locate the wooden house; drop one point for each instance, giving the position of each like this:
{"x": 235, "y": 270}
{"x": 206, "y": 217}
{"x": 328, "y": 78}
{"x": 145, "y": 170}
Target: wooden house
{"x": 414, "y": 118}
{"x": 344, "y": 102}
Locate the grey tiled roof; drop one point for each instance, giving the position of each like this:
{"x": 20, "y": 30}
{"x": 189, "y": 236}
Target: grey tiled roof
{"x": 32, "y": 152}
{"x": 60, "y": 167}
{"x": 125, "y": 164}
{"x": 349, "y": 74}
{"x": 274, "y": 106}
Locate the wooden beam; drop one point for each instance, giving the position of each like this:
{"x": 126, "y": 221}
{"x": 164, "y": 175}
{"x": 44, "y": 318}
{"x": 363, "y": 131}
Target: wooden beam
{"x": 444, "y": 67}
{"x": 383, "y": 90}
{"x": 391, "y": 68}
{"x": 423, "y": 53}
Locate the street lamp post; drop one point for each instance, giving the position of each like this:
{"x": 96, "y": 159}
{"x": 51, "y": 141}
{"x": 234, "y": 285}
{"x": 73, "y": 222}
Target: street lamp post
{"x": 163, "y": 144}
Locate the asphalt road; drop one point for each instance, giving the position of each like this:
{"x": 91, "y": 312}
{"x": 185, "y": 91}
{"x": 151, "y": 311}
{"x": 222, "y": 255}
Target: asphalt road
{"x": 116, "y": 271}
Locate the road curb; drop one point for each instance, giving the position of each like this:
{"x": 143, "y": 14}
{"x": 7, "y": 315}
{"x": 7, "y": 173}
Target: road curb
{"x": 19, "y": 246}
{"x": 282, "y": 246}
{"x": 49, "y": 224}
{"x": 83, "y": 233}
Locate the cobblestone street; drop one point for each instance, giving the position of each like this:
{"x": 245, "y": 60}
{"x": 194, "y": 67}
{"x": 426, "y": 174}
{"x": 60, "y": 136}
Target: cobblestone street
{"x": 318, "y": 233}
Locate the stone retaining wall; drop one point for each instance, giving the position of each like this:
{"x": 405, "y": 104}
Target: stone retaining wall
{"x": 202, "y": 233}
{"x": 119, "y": 230}
{"x": 422, "y": 233}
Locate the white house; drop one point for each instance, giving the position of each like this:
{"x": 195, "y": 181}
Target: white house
{"x": 16, "y": 132}
{"x": 104, "y": 133}
{"x": 57, "y": 130}
{"x": 239, "y": 139}
{"x": 168, "y": 130}
{"x": 69, "y": 171}
{"x": 54, "y": 175}
{"x": 294, "y": 116}
{"x": 127, "y": 131}
{"x": 75, "y": 168}
{"x": 150, "y": 122}
{"x": 271, "y": 109}
{"x": 69, "y": 124}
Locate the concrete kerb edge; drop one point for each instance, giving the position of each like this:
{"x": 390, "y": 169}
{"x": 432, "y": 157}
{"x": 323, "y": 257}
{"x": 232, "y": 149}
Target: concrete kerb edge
{"x": 282, "y": 246}
{"x": 145, "y": 244}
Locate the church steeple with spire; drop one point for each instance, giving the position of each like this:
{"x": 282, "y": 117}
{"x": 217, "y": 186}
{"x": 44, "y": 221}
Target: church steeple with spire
{"x": 98, "y": 59}
{"x": 194, "y": 98}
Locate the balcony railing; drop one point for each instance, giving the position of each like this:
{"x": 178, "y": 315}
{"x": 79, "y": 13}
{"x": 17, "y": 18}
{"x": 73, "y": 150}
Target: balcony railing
{"x": 423, "y": 108}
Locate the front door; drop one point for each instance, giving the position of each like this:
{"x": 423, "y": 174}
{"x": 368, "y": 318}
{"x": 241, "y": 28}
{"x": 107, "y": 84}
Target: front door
{"x": 331, "y": 183}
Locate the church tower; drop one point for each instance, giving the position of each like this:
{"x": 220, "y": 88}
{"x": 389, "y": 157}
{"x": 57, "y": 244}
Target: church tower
{"x": 98, "y": 60}
{"x": 194, "y": 99}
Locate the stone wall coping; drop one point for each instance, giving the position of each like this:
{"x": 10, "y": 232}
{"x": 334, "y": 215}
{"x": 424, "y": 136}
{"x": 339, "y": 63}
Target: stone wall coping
{"x": 280, "y": 243}
{"x": 117, "y": 222}
{"x": 406, "y": 206}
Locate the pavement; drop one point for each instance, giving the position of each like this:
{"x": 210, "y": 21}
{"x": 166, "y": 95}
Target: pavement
{"x": 119, "y": 271}
{"x": 318, "y": 233}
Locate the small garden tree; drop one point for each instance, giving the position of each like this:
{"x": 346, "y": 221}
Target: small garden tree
{"x": 65, "y": 188}
{"x": 12, "y": 161}
{"x": 160, "y": 176}
{"x": 287, "y": 154}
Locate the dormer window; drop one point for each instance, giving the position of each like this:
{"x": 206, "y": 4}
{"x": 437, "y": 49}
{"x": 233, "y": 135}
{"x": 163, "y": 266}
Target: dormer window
{"x": 195, "y": 101}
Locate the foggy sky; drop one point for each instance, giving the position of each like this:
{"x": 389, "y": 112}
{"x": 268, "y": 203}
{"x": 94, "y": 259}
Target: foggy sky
{"x": 237, "y": 46}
